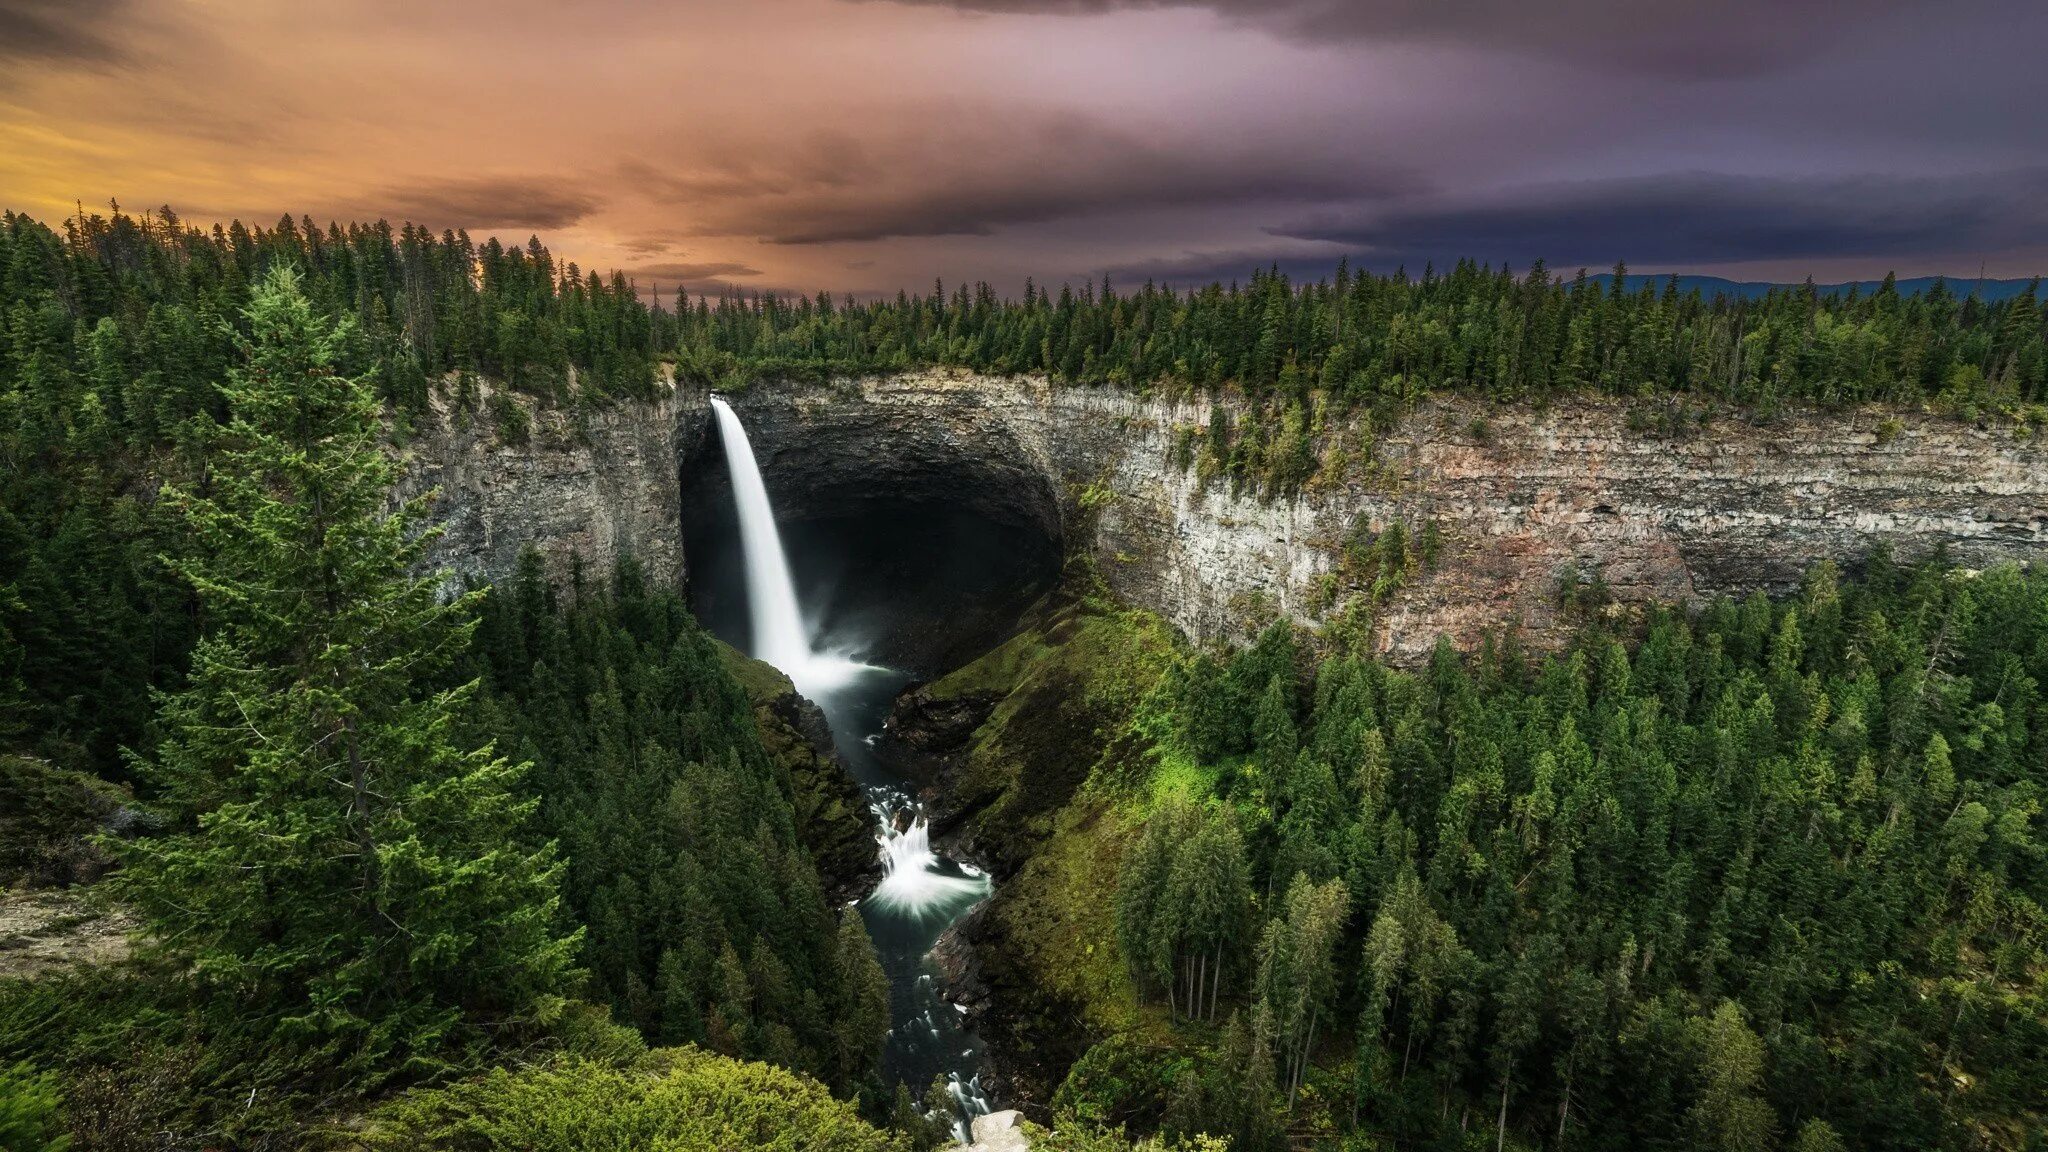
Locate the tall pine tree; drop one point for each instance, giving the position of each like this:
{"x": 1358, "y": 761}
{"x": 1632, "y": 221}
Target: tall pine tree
{"x": 335, "y": 866}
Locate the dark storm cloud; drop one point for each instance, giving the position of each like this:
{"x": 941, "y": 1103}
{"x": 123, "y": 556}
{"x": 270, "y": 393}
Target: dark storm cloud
{"x": 484, "y": 203}
{"x": 1680, "y": 38}
{"x": 59, "y": 30}
{"x": 1704, "y": 218}
{"x": 995, "y": 171}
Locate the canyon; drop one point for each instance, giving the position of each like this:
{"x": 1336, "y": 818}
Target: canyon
{"x": 1519, "y": 496}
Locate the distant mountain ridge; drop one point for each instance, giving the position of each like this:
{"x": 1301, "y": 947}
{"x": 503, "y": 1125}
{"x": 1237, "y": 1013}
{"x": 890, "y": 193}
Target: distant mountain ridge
{"x": 1988, "y": 290}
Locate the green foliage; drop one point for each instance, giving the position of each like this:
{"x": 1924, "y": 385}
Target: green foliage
{"x": 1772, "y": 876}
{"x": 335, "y": 868}
{"x": 705, "y": 920}
{"x": 1070, "y": 1135}
{"x": 47, "y": 817}
{"x": 1117, "y": 1083}
{"x": 30, "y": 1119}
{"x": 674, "y": 1100}
{"x": 509, "y": 417}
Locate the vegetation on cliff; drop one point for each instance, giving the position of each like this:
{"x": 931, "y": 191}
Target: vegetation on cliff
{"x": 1773, "y": 874}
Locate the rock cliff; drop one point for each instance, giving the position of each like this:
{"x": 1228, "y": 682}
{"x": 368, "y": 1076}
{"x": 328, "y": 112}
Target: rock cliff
{"x": 1517, "y": 495}
{"x": 592, "y": 485}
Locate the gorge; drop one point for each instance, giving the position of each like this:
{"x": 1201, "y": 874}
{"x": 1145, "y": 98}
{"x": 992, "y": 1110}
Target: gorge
{"x": 926, "y": 512}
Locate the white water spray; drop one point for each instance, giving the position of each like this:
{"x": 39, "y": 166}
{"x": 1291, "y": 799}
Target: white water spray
{"x": 915, "y": 881}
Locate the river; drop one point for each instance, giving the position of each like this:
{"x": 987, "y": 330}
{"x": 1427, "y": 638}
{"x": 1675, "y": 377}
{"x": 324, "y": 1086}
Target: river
{"x": 922, "y": 893}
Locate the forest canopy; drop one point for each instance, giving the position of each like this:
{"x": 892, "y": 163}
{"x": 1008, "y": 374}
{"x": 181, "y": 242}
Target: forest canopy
{"x": 1767, "y": 873}
{"x": 1757, "y": 874}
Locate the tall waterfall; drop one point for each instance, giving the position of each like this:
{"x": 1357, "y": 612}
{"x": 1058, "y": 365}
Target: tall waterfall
{"x": 916, "y": 881}
{"x": 771, "y": 594}
{"x": 921, "y": 891}
{"x": 779, "y": 634}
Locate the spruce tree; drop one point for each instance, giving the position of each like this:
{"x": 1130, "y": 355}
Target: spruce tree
{"x": 336, "y": 868}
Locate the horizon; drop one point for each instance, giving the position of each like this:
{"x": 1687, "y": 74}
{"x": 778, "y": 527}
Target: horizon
{"x": 865, "y": 145}
{"x": 1297, "y": 273}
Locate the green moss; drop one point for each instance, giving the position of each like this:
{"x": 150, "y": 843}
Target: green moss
{"x": 995, "y": 673}
{"x": 1068, "y": 687}
{"x": 762, "y": 680}
{"x": 1049, "y": 777}
{"x": 1056, "y": 919}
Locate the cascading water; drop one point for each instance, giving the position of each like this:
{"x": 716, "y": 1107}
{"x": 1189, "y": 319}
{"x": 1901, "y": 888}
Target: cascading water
{"x": 779, "y": 634}
{"x": 921, "y": 892}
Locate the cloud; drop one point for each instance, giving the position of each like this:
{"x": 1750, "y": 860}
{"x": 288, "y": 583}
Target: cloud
{"x": 989, "y": 172}
{"x": 654, "y": 243}
{"x": 60, "y": 30}
{"x": 1703, "y": 218}
{"x": 485, "y": 202}
{"x": 1685, "y": 39}
{"x": 691, "y": 274}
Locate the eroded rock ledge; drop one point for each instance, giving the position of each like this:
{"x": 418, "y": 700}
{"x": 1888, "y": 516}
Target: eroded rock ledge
{"x": 1518, "y": 494}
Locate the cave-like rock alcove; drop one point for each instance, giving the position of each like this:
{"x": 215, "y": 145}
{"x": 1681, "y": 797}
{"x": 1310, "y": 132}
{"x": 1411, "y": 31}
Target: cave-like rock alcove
{"x": 913, "y": 542}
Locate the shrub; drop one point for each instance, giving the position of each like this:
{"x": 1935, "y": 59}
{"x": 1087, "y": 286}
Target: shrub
{"x": 515, "y": 427}
{"x": 29, "y": 1114}
{"x": 48, "y": 816}
{"x": 674, "y": 1100}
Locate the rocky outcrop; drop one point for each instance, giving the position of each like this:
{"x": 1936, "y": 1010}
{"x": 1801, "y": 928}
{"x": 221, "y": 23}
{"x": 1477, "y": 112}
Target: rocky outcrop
{"x": 1517, "y": 495}
{"x": 1001, "y": 1132}
{"x": 591, "y": 485}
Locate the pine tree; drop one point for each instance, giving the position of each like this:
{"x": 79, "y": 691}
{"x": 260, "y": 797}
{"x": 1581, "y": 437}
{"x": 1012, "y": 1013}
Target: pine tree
{"x": 338, "y": 866}
{"x": 863, "y": 1006}
{"x": 1731, "y": 1115}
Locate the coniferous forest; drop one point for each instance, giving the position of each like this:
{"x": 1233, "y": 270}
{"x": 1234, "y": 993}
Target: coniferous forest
{"x": 1770, "y": 878}
{"x": 413, "y": 862}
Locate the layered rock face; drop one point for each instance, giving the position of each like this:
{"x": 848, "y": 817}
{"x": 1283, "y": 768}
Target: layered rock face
{"x": 594, "y": 487}
{"x": 1518, "y": 496}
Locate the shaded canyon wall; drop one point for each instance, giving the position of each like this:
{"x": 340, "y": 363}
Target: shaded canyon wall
{"x": 1517, "y": 494}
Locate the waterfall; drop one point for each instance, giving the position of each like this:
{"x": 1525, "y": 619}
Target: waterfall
{"x": 779, "y": 634}
{"x": 916, "y": 881}
{"x": 921, "y": 891}
{"x": 771, "y": 594}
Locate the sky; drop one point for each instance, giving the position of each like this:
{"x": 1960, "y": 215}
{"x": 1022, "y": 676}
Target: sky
{"x": 867, "y": 145}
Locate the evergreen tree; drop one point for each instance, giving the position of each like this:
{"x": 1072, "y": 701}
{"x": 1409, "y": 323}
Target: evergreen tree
{"x": 863, "y": 1003}
{"x": 337, "y": 866}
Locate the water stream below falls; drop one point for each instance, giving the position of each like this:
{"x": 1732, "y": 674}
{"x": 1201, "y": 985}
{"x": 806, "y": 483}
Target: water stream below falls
{"x": 922, "y": 892}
